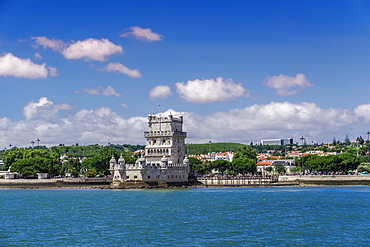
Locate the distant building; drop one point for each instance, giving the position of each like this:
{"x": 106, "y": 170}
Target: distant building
{"x": 288, "y": 164}
{"x": 164, "y": 158}
{"x": 277, "y": 141}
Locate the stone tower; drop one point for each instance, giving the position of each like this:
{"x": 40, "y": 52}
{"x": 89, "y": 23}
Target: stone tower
{"x": 165, "y": 138}
{"x": 164, "y": 159}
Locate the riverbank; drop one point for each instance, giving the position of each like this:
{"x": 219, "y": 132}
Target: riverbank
{"x": 86, "y": 183}
{"x": 106, "y": 183}
{"x": 326, "y": 180}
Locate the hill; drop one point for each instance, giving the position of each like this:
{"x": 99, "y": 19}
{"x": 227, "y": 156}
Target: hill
{"x": 192, "y": 149}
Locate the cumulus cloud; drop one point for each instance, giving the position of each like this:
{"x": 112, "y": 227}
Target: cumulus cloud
{"x": 160, "y": 91}
{"x": 88, "y": 49}
{"x": 145, "y": 34}
{"x": 109, "y": 91}
{"x": 120, "y": 68}
{"x": 91, "y": 49}
{"x": 11, "y": 65}
{"x": 211, "y": 90}
{"x": 273, "y": 120}
{"x": 252, "y": 123}
{"x": 285, "y": 85}
{"x": 363, "y": 113}
{"x": 54, "y": 44}
{"x": 101, "y": 126}
{"x": 44, "y": 109}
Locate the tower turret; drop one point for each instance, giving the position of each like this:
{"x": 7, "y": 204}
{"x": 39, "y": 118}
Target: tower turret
{"x": 112, "y": 164}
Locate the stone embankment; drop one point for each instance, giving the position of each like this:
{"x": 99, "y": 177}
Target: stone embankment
{"x": 321, "y": 180}
{"x": 88, "y": 183}
{"x": 106, "y": 183}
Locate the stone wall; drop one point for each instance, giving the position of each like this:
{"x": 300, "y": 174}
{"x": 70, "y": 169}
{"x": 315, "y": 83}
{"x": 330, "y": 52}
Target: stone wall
{"x": 327, "y": 180}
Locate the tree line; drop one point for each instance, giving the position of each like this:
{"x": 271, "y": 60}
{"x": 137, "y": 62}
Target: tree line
{"x": 28, "y": 162}
{"x": 344, "y": 162}
{"x": 244, "y": 162}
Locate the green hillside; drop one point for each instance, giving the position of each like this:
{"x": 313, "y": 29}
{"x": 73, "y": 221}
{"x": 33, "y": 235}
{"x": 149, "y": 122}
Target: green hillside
{"x": 192, "y": 149}
{"x": 92, "y": 150}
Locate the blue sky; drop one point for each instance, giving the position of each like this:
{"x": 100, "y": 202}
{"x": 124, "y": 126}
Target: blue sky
{"x": 239, "y": 71}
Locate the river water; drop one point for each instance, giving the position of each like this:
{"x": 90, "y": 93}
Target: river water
{"x": 291, "y": 216}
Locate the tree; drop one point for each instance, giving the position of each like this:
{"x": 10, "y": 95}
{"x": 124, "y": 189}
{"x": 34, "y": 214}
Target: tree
{"x": 364, "y": 166}
{"x": 269, "y": 169}
{"x": 31, "y": 161}
{"x": 279, "y": 168}
{"x": 200, "y": 167}
{"x": 129, "y": 159}
{"x": 220, "y": 165}
{"x": 90, "y": 173}
{"x": 360, "y": 140}
{"x": 100, "y": 162}
{"x": 246, "y": 152}
{"x": 31, "y": 166}
{"x": 334, "y": 142}
{"x": 347, "y": 141}
{"x": 243, "y": 165}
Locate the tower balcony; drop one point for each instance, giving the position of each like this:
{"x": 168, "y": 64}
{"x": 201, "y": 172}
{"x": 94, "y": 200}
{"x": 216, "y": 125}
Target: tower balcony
{"x": 148, "y": 134}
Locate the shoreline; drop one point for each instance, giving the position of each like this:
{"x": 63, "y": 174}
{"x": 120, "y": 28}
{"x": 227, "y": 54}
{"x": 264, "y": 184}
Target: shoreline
{"x": 106, "y": 183}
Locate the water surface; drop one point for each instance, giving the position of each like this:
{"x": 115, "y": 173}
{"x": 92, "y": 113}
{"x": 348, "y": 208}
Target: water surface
{"x": 308, "y": 216}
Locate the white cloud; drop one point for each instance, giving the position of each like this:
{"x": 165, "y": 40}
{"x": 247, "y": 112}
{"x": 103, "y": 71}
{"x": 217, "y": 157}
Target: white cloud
{"x": 211, "y": 90}
{"x": 92, "y": 91}
{"x": 109, "y": 91}
{"x": 119, "y": 68}
{"x": 160, "y": 91}
{"x": 91, "y": 49}
{"x": 54, "y": 44}
{"x": 145, "y": 34}
{"x": 285, "y": 85}
{"x": 11, "y": 65}
{"x": 101, "y": 126}
{"x": 88, "y": 49}
{"x": 124, "y": 105}
{"x": 44, "y": 109}
{"x": 273, "y": 120}
{"x": 253, "y": 123}
{"x": 38, "y": 56}
{"x": 363, "y": 113}
{"x": 52, "y": 71}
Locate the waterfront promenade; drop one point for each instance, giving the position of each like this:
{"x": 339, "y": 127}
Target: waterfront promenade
{"x": 237, "y": 181}
{"x": 307, "y": 180}
{"x": 205, "y": 181}
{"x": 56, "y": 183}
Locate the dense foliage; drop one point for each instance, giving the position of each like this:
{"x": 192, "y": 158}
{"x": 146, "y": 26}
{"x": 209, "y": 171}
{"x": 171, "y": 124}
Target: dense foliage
{"x": 244, "y": 162}
{"x": 92, "y": 150}
{"x": 30, "y": 161}
{"x": 332, "y": 163}
{"x": 194, "y": 149}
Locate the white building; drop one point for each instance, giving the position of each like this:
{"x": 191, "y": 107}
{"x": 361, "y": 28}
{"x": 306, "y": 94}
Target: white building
{"x": 277, "y": 141}
{"x": 164, "y": 154}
